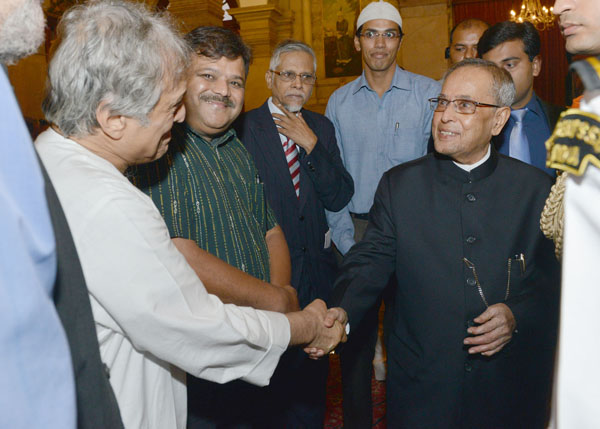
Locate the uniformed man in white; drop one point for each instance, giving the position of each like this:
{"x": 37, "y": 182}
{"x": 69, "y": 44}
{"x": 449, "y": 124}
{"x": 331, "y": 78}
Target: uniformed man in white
{"x": 578, "y": 379}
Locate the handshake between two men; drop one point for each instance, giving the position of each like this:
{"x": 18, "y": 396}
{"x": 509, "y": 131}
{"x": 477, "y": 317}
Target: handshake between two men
{"x": 317, "y": 328}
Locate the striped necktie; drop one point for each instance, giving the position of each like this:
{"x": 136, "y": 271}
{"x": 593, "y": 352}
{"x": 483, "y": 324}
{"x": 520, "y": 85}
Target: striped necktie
{"x": 291, "y": 155}
{"x": 518, "y": 144}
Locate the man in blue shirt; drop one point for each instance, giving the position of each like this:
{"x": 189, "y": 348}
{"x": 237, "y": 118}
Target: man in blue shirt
{"x": 37, "y": 377}
{"x": 381, "y": 119}
{"x": 516, "y": 48}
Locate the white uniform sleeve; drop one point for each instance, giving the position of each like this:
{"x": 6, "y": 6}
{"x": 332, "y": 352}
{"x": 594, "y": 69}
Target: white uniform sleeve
{"x": 578, "y": 381}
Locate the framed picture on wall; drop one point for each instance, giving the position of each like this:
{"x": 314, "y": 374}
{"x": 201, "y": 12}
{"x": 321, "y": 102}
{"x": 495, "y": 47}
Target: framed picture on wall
{"x": 339, "y": 20}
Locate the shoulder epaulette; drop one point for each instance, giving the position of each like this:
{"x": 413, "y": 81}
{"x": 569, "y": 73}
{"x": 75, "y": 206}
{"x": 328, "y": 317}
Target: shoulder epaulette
{"x": 575, "y": 142}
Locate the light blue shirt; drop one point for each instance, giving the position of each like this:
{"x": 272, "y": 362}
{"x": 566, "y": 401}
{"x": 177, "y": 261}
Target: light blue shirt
{"x": 37, "y": 385}
{"x": 375, "y": 134}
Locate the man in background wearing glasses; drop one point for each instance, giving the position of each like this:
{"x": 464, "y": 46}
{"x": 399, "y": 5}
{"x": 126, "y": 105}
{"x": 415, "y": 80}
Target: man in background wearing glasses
{"x": 475, "y": 304}
{"x": 381, "y": 119}
{"x": 299, "y": 163}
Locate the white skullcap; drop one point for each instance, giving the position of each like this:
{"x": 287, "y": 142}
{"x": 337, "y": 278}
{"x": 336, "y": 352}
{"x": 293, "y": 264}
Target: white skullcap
{"x": 379, "y": 10}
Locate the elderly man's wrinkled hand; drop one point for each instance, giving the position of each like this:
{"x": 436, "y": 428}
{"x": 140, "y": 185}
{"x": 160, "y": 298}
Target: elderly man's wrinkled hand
{"x": 495, "y": 330}
{"x": 331, "y": 331}
{"x": 293, "y": 126}
{"x": 336, "y": 313}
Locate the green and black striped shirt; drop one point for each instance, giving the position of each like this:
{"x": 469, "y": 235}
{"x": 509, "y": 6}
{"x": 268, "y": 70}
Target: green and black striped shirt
{"x": 211, "y": 193}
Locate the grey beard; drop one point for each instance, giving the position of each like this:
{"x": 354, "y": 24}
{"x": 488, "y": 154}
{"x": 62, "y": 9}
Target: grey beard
{"x": 22, "y": 32}
{"x": 292, "y": 108}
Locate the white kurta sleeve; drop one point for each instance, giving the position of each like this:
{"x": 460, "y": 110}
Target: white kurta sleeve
{"x": 147, "y": 288}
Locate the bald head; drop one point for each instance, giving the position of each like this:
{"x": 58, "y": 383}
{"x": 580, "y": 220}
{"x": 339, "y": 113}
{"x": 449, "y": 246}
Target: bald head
{"x": 464, "y": 37}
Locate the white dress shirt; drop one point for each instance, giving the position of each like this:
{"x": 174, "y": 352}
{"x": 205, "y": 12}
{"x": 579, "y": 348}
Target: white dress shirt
{"x": 469, "y": 167}
{"x": 154, "y": 318}
{"x": 274, "y": 109}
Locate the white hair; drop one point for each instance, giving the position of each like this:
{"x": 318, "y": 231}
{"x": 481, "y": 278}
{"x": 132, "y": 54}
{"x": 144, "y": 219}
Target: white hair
{"x": 21, "y": 31}
{"x": 291, "y": 46}
{"x": 115, "y": 52}
{"x": 503, "y": 88}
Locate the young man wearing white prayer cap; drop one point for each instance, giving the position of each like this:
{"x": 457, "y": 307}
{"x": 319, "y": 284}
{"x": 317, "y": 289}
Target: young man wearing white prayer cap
{"x": 381, "y": 119}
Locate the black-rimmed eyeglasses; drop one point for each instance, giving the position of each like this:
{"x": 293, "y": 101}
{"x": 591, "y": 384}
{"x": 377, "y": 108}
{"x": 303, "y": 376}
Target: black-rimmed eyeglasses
{"x": 290, "y": 76}
{"x": 466, "y": 107}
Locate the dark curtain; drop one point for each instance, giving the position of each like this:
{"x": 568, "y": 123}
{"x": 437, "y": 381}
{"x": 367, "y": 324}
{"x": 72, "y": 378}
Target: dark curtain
{"x": 550, "y": 84}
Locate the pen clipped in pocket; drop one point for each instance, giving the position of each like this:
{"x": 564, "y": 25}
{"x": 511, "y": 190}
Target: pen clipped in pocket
{"x": 327, "y": 241}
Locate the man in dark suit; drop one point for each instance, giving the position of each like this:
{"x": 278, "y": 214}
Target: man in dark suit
{"x": 299, "y": 163}
{"x": 472, "y": 339}
{"x": 516, "y": 48}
